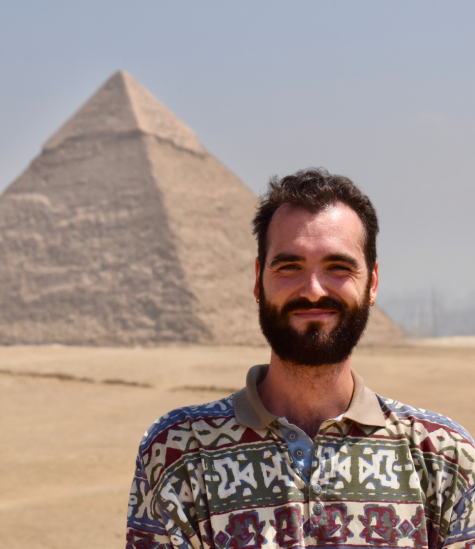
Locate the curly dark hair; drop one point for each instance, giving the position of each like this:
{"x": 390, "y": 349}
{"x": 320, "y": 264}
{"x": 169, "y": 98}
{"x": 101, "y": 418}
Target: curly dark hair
{"x": 314, "y": 189}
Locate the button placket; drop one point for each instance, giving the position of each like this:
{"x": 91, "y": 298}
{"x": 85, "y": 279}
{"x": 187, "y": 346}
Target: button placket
{"x": 300, "y": 448}
{"x": 317, "y": 509}
{"x": 292, "y": 436}
{"x": 315, "y": 489}
{"x": 315, "y": 503}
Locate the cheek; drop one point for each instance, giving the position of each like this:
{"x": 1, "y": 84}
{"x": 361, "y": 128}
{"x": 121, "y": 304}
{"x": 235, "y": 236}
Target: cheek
{"x": 281, "y": 285}
{"x": 347, "y": 289}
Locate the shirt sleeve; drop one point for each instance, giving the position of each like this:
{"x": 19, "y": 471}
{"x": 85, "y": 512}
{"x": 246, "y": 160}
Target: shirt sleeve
{"x": 462, "y": 523}
{"x": 148, "y": 524}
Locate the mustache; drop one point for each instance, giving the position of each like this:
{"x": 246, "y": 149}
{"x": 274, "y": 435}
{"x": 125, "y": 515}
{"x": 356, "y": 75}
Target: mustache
{"x": 325, "y": 303}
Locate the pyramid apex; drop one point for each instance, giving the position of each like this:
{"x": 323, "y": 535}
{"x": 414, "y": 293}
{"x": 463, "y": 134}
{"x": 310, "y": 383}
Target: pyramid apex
{"x": 120, "y": 74}
{"x": 120, "y": 106}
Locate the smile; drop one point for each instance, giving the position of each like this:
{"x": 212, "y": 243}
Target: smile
{"x": 315, "y": 314}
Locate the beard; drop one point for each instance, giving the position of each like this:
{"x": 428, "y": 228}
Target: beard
{"x": 311, "y": 347}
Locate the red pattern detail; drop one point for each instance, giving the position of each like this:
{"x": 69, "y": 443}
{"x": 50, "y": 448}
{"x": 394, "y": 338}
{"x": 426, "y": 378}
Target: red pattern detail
{"x": 208, "y": 533}
{"x": 221, "y": 539}
{"x": 139, "y": 540}
{"x": 355, "y": 431}
{"x": 161, "y": 437}
{"x": 250, "y": 435}
{"x": 288, "y": 526}
{"x": 427, "y": 446}
{"x": 172, "y": 455}
{"x": 331, "y": 526}
{"x": 405, "y": 527}
{"x": 245, "y": 531}
{"x": 420, "y": 534}
{"x": 380, "y": 525}
{"x": 431, "y": 426}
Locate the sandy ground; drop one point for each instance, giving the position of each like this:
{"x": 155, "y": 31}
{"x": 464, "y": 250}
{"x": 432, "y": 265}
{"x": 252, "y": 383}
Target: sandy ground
{"x": 72, "y": 419}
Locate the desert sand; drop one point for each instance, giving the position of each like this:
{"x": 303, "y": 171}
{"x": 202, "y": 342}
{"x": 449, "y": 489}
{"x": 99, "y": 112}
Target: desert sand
{"x": 72, "y": 419}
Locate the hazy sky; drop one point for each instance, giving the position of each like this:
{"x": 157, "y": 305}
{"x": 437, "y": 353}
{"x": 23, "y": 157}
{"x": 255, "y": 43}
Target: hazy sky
{"x": 380, "y": 91}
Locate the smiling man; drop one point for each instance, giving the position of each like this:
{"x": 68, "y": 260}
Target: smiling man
{"x": 305, "y": 454}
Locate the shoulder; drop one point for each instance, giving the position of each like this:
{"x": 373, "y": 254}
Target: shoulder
{"x": 443, "y": 455}
{"x": 217, "y": 413}
{"x": 440, "y": 446}
{"x": 423, "y": 422}
{"x": 177, "y": 437}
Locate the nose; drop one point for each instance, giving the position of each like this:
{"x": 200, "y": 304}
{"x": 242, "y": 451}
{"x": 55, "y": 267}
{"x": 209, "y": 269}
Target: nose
{"x": 313, "y": 287}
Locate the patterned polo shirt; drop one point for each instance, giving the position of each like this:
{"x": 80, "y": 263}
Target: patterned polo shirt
{"x": 230, "y": 475}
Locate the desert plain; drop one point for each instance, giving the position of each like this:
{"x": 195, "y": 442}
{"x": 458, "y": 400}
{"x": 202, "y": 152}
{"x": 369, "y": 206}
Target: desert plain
{"x": 72, "y": 419}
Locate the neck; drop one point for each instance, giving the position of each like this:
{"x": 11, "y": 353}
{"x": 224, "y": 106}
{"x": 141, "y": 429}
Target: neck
{"x": 307, "y": 395}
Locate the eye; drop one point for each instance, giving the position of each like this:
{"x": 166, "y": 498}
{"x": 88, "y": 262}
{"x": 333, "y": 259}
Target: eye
{"x": 289, "y": 267}
{"x": 341, "y": 268}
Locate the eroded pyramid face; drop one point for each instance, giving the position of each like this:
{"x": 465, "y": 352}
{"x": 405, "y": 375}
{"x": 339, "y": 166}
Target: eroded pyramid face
{"x": 126, "y": 231}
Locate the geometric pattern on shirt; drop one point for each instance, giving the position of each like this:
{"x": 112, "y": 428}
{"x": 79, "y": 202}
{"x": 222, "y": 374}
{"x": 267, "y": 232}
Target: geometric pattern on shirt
{"x": 204, "y": 480}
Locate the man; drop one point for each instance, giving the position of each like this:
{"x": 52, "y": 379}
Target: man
{"x": 305, "y": 455}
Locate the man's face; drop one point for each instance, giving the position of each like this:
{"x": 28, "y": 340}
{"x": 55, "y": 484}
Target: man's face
{"x": 314, "y": 288}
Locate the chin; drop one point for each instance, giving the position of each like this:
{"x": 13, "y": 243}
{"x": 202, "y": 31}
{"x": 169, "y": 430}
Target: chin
{"x": 324, "y": 329}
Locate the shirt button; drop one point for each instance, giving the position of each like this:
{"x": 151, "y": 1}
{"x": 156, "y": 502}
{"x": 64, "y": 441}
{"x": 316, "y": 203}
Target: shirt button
{"x": 299, "y": 453}
{"x": 317, "y": 489}
{"x": 307, "y": 472}
{"x": 318, "y": 508}
{"x": 292, "y": 436}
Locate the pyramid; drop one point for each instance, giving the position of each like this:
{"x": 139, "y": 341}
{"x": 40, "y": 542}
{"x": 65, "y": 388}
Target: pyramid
{"x": 126, "y": 231}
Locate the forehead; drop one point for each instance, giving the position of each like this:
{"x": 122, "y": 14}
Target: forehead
{"x": 334, "y": 228}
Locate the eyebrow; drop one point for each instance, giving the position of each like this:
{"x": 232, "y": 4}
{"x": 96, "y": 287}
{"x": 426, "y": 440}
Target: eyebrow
{"x": 285, "y": 258}
{"x": 344, "y": 258}
{"x": 289, "y": 258}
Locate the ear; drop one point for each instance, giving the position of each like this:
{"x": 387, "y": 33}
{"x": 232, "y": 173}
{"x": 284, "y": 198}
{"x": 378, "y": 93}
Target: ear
{"x": 256, "y": 284}
{"x": 373, "y": 291}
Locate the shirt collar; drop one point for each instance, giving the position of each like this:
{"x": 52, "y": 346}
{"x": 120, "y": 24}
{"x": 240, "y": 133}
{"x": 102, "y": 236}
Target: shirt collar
{"x": 364, "y": 406}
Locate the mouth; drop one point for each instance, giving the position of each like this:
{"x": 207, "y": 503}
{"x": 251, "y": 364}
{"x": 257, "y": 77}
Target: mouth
{"x": 315, "y": 314}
